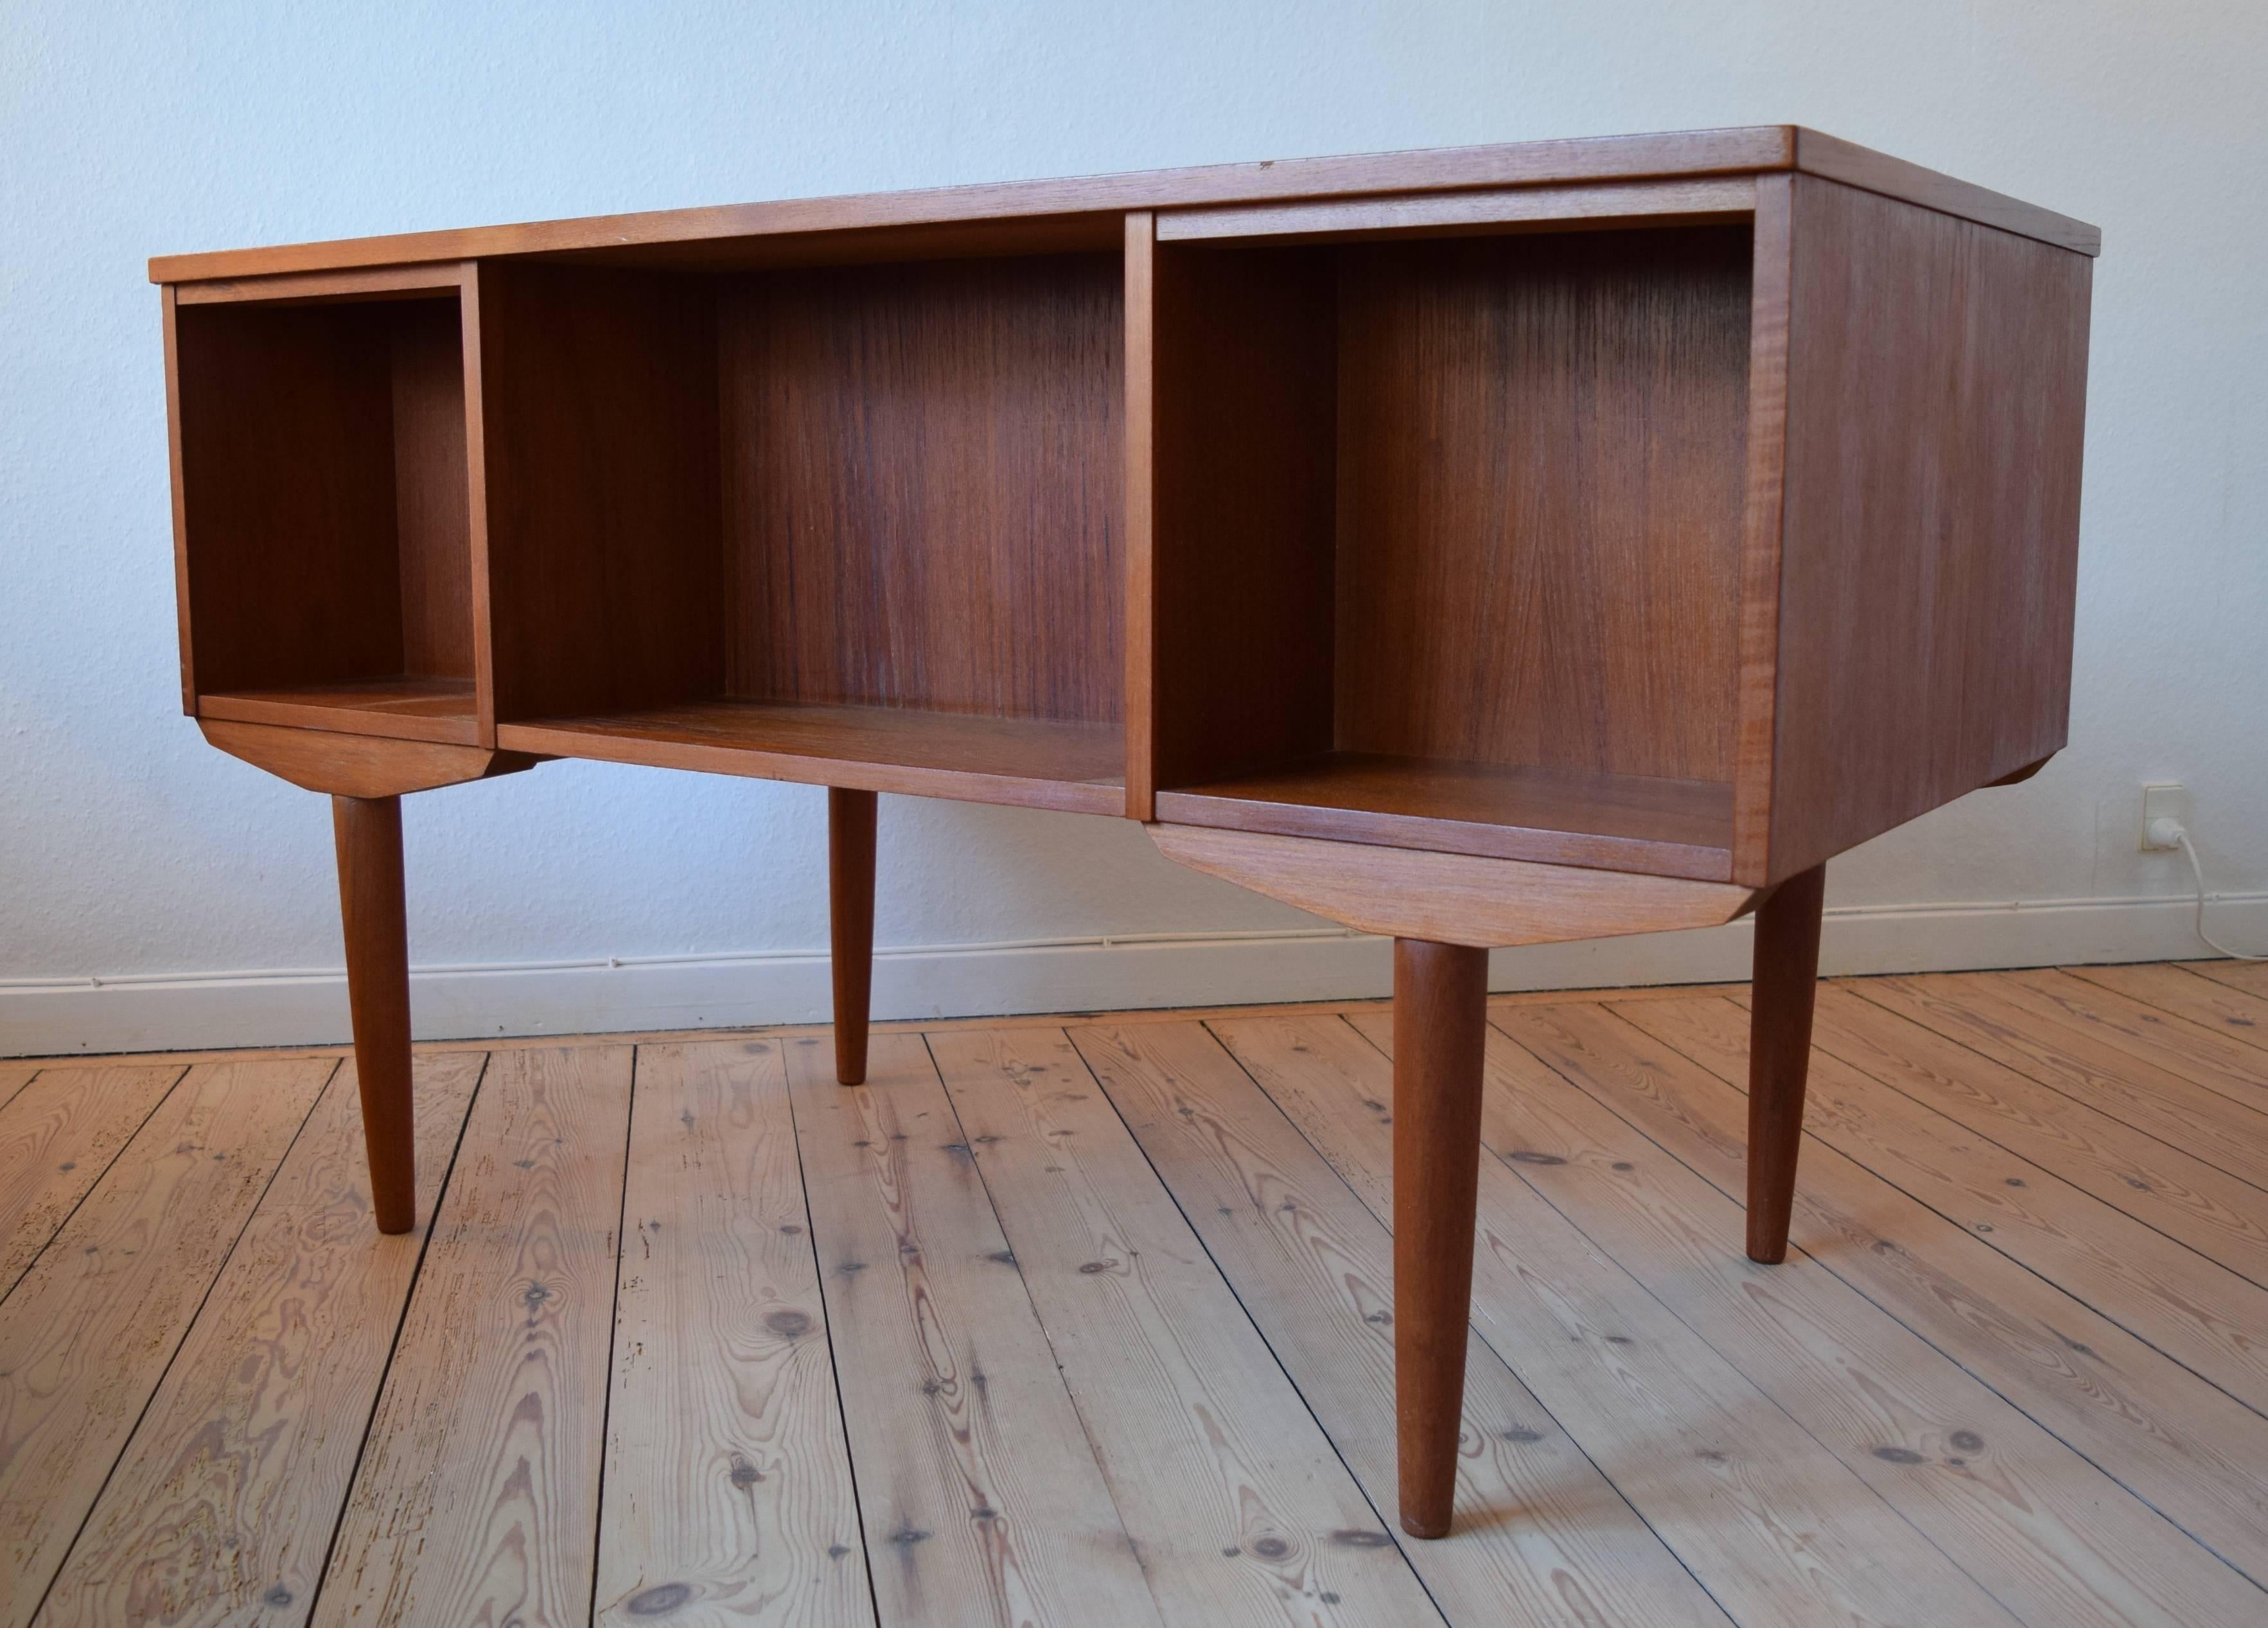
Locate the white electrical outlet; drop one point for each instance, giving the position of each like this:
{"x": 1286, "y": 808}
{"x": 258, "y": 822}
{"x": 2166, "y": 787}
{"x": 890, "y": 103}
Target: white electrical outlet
{"x": 2164, "y": 802}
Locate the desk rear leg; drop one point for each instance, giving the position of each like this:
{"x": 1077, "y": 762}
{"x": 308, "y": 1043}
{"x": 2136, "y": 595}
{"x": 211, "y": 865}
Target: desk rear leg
{"x": 368, "y": 830}
{"x": 1786, "y": 980}
{"x": 851, "y": 888}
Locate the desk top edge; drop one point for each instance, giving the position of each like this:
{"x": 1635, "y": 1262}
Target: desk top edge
{"x": 1747, "y": 150}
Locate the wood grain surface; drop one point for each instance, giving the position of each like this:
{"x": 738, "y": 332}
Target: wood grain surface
{"x": 2189, "y": 992}
{"x": 2205, "y": 1317}
{"x": 1518, "y": 582}
{"x": 1243, "y": 555}
{"x": 1937, "y": 392}
{"x": 2215, "y": 1213}
{"x": 1441, "y": 992}
{"x": 2206, "y": 1123}
{"x": 401, "y": 708}
{"x": 1449, "y": 898}
{"x": 1746, "y": 1497}
{"x": 286, "y": 418}
{"x": 921, "y": 474}
{"x": 851, "y": 818}
{"x": 1552, "y": 816}
{"x": 357, "y": 765}
{"x": 477, "y": 1498}
{"x": 1782, "y": 991}
{"x": 1542, "y": 1535}
{"x": 1029, "y": 763}
{"x": 598, "y": 429}
{"x": 2177, "y": 1442}
{"x": 374, "y": 922}
{"x": 432, "y": 492}
{"x": 728, "y": 1495}
{"x": 1223, "y": 1479}
{"x": 888, "y": 215}
{"x": 1976, "y": 1400}
{"x": 1461, "y": 213}
{"x": 222, "y": 1507}
{"x": 2250, "y": 977}
{"x": 13, "y": 1078}
{"x": 2165, "y": 1043}
{"x": 92, "y": 1325}
{"x": 979, "y": 1489}
{"x": 60, "y": 1128}
{"x": 2052, "y": 1538}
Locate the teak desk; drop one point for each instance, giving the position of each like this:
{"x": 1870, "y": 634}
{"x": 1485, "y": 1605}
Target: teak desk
{"x": 1481, "y": 547}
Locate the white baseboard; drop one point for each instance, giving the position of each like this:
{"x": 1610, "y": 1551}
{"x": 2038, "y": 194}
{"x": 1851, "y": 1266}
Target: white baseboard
{"x": 210, "y": 1011}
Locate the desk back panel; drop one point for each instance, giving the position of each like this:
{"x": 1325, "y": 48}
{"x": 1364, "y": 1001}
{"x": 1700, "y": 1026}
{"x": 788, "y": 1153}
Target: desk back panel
{"x": 923, "y": 502}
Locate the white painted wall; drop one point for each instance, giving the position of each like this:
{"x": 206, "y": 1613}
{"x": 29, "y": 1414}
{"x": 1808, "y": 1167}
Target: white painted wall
{"x": 130, "y": 851}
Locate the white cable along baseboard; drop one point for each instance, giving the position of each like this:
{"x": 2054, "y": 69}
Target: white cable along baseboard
{"x": 62, "y": 1016}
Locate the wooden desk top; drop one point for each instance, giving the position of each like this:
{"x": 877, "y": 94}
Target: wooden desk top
{"x": 1084, "y": 212}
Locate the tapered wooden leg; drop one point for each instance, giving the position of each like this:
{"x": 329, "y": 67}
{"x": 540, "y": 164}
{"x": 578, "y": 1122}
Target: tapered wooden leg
{"x": 1780, "y": 1053}
{"x": 369, "y": 833}
{"x": 850, "y": 886}
{"x": 1440, "y": 1022}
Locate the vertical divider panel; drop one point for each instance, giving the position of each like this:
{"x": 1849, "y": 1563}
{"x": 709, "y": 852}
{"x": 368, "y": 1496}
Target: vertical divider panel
{"x": 1141, "y": 515}
{"x": 477, "y": 499}
{"x": 172, "y": 317}
{"x": 1761, "y": 535}
{"x": 600, "y": 445}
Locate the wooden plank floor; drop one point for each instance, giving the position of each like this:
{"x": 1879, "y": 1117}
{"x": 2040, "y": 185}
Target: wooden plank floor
{"x": 1088, "y": 1321}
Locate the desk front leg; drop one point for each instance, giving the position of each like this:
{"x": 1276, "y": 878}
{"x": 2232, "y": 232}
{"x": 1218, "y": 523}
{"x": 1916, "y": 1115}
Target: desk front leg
{"x": 1440, "y": 1027}
{"x": 366, "y": 777}
{"x": 371, "y": 906}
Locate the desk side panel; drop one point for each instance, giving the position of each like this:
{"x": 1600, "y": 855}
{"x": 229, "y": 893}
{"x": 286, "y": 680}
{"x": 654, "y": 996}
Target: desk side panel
{"x": 170, "y": 314}
{"x": 1937, "y": 382}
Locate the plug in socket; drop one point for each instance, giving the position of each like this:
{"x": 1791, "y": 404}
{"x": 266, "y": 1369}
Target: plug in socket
{"x": 2164, "y": 802}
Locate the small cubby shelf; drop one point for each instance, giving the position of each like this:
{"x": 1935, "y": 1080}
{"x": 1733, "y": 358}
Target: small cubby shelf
{"x": 326, "y": 511}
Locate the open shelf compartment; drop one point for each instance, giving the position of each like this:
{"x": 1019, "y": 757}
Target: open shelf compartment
{"x": 850, "y": 524}
{"x": 1447, "y": 541}
{"x": 325, "y": 515}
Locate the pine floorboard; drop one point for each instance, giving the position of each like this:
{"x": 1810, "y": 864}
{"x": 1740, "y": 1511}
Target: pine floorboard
{"x": 1087, "y": 1320}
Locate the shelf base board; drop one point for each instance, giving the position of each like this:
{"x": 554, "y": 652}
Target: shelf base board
{"x": 1023, "y": 763}
{"x": 401, "y": 708}
{"x": 1614, "y": 822}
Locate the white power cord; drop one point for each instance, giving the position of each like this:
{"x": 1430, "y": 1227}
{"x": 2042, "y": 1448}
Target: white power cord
{"x": 2168, "y": 832}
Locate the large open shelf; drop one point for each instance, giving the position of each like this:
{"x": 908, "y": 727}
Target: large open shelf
{"x": 1448, "y": 545}
{"x": 1667, "y": 827}
{"x": 1033, "y": 762}
{"x": 857, "y": 524}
